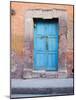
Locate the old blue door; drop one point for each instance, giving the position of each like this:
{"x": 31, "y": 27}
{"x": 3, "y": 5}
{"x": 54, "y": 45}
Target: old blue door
{"x": 45, "y": 44}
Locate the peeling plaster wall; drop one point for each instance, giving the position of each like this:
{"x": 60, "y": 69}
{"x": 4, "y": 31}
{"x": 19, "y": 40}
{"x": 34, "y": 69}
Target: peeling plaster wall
{"x": 23, "y": 48}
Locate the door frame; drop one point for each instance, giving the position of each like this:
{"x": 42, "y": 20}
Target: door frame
{"x": 48, "y": 14}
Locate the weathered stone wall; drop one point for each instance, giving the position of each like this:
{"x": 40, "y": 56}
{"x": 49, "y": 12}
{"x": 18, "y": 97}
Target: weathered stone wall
{"x": 22, "y": 60}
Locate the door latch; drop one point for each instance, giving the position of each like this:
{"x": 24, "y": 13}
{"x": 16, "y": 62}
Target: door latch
{"x": 46, "y": 42}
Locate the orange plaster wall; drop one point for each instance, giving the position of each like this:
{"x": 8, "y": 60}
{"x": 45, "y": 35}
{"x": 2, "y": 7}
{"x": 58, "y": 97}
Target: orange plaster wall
{"x": 18, "y": 24}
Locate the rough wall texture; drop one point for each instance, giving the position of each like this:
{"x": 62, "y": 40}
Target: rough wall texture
{"x": 24, "y": 50}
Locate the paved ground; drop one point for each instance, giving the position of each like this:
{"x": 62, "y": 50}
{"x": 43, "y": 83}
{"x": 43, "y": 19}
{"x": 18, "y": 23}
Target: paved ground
{"x": 41, "y": 87}
{"x": 41, "y": 83}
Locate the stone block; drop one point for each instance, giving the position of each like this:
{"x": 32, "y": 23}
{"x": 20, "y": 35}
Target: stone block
{"x": 27, "y": 73}
{"x": 62, "y": 74}
{"x": 51, "y": 74}
{"x": 35, "y": 75}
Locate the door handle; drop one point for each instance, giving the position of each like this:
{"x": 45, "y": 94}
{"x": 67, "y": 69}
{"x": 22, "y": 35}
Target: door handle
{"x": 46, "y": 43}
{"x": 43, "y": 37}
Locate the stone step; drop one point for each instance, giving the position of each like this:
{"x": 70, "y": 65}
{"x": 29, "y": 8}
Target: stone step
{"x": 28, "y": 74}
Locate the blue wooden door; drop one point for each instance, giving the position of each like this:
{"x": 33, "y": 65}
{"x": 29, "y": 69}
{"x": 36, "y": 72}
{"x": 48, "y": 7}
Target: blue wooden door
{"x": 45, "y": 44}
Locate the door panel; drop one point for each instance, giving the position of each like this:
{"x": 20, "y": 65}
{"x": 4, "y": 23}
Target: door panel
{"x": 40, "y": 44}
{"x": 52, "y": 41}
{"x": 51, "y": 31}
{"x": 52, "y": 61}
{"x": 40, "y": 60}
{"x": 52, "y": 44}
{"x": 52, "y": 28}
{"x": 39, "y": 27}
